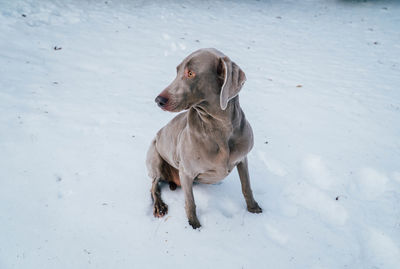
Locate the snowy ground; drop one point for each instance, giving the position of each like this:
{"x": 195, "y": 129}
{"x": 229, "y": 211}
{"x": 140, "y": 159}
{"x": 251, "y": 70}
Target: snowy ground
{"x": 322, "y": 95}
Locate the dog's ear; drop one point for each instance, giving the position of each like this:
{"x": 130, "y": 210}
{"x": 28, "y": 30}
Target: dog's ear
{"x": 232, "y": 78}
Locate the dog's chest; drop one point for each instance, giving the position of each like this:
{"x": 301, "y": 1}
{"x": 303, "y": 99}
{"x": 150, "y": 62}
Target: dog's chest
{"x": 217, "y": 160}
{"x": 210, "y": 150}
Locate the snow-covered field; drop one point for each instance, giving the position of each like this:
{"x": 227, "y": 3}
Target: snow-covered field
{"x": 77, "y": 86}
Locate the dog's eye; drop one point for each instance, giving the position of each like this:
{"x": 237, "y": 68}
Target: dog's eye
{"x": 189, "y": 73}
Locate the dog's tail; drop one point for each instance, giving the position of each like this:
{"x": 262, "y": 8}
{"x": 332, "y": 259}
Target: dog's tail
{"x": 171, "y": 175}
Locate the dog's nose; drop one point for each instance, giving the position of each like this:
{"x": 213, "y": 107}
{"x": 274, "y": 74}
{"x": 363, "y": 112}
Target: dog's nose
{"x": 161, "y": 101}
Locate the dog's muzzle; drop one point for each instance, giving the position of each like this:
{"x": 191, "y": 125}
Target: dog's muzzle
{"x": 161, "y": 101}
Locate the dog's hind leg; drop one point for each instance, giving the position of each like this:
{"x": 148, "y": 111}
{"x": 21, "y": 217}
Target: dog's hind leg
{"x": 160, "y": 208}
{"x": 154, "y": 164}
{"x": 171, "y": 175}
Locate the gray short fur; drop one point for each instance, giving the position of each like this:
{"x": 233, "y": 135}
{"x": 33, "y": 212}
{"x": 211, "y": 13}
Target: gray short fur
{"x": 210, "y": 138}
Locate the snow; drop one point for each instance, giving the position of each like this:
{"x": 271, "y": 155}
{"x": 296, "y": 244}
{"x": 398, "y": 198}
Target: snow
{"x": 322, "y": 90}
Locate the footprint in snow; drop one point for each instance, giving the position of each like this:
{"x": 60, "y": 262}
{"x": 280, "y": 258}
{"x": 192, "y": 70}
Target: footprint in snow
{"x": 274, "y": 166}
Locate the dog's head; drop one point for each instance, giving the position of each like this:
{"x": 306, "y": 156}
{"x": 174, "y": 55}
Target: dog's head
{"x": 205, "y": 76}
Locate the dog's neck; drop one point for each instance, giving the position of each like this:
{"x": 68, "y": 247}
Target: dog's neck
{"x": 213, "y": 117}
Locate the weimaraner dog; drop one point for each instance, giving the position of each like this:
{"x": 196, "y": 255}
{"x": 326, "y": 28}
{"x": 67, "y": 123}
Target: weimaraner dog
{"x": 204, "y": 143}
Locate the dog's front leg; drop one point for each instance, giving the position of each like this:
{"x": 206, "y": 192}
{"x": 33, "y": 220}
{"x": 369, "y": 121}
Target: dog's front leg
{"x": 190, "y": 206}
{"x": 243, "y": 170}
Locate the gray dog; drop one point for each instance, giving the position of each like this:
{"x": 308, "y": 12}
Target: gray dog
{"x": 204, "y": 143}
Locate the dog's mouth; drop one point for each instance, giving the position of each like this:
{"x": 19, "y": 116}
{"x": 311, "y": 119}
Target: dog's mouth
{"x": 173, "y": 107}
{"x": 167, "y": 108}
{"x": 170, "y": 107}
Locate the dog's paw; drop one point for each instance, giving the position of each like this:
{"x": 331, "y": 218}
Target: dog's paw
{"x": 160, "y": 209}
{"x": 195, "y": 223}
{"x": 255, "y": 208}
